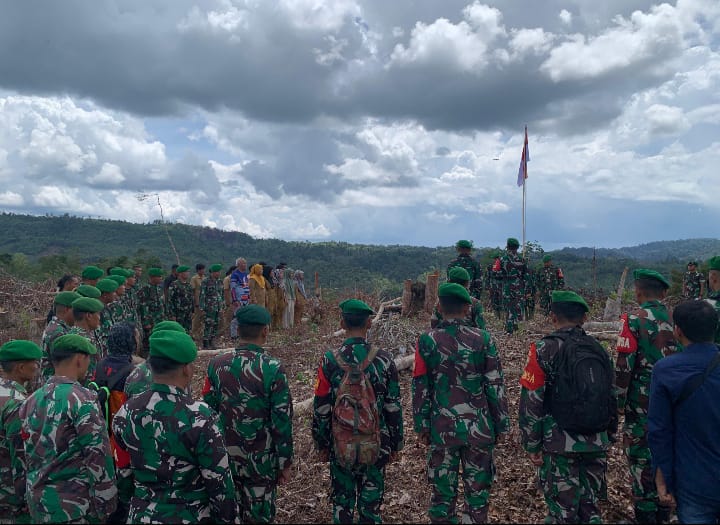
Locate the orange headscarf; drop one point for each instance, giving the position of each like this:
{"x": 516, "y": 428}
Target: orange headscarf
{"x": 256, "y": 273}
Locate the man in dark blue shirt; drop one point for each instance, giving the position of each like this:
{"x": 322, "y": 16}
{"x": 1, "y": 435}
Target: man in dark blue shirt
{"x": 683, "y": 422}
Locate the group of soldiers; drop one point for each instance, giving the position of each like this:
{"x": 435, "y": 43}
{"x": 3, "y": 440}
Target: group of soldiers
{"x": 513, "y": 286}
{"x": 162, "y": 456}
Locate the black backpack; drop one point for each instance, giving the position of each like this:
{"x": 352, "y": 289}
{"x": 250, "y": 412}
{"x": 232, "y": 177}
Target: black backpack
{"x": 580, "y": 392}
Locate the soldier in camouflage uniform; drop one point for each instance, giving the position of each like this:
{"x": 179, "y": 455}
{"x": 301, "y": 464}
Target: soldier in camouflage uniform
{"x": 20, "y": 360}
{"x": 86, "y": 312}
{"x": 181, "y": 299}
{"x": 70, "y": 473}
{"x": 514, "y": 269}
{"x": 177, "y": 453}
{"x": 151, "y": 303}
{"x": 91, "y": 274}
{"x": 549, "y": 278}
{"x": 494, "y": 280}
{"x": 362, "y": 486}
{"x": 693, "y": 282}
{"x": 114, "y": 311}
{"x": 212, "y": 301}
{"x": 60, "y": 324}
{"x": 645, "y": 338}
{"x": 714, "y": 289}
{"x": 530, "y": 291}
{"x": 249, "y": 389}
{"x": 572, "y": 466}
{"x": 459, "y": 408}
{"x": 466, "y": 260}
{"x": 475, "y": 314}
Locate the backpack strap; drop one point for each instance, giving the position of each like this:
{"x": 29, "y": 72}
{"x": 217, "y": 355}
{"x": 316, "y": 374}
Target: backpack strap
{"x": 342, "y": 363}
{"x": 697, "y": 381}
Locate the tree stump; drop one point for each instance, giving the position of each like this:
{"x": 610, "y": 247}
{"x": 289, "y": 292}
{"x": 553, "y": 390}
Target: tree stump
{"x": 4, "y": 319}
{"x": 406, "y": 297}
{"x": 431, "y": 291}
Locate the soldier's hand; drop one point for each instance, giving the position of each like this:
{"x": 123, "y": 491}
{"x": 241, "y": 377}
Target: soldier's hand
{"x": 424, "y": 438}
{"x": 536, "y": 458}
{"x": 323, "y": 456}
{"x": 285, "y": 475}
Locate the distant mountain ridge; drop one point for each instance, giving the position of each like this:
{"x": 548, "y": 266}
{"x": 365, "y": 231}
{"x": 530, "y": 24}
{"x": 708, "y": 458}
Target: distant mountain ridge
{"x": 659, "y": 251}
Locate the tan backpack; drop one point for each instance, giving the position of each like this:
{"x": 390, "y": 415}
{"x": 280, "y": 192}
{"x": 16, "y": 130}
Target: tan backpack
{"x": 355, "y": 418}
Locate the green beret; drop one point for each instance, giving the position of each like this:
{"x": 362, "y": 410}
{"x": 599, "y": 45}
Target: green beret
{"x": 714, "y": 263}
{"x": 547, "y": 258}
{"x": 74, "y": 343}
{"x": 454, "y": 290}
{"x": 117, "y": 271}
{"x": 88, "y": 304}
{"x": 458, "y": 273}
{"x": 464, "y": 244}
{"x": 88, "y": 290}
{"x": 66, "y": 298}
{"x": 252, "y": 314}
{"x": 176, "y": 346}
{"x": 566, "y": 296}
{"x": 216, "y": 267}
{"x": 107, "y": 285}
{"x": 20, "y": 350}
{"x": 91, "y": 272}
{"x": 512, "y": 242}
{"x": 155, "y": 272}
{"x": 168, "y": 325}
{"x": 643, "y": 273}
{"x": 129, "y": 273}
{"x": 119, "y": 279}
{"x": 355, "y": 306}
{"x": 181, "y": 269}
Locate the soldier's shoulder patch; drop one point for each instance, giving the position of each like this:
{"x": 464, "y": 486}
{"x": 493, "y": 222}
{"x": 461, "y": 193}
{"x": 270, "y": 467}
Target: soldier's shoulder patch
{"x": 533, "y": 376}
{"x": 626, "y": 341}
{"x": 322, "y": 385}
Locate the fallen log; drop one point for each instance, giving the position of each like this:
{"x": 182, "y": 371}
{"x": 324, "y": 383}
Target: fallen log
{"x": 602, "y": 326}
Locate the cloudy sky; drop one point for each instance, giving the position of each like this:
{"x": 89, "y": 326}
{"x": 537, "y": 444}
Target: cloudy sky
{"x": 372, "y": 121}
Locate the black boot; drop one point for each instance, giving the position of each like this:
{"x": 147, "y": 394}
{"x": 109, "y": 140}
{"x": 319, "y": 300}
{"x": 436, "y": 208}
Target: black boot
{"x": 663, "y": 514}
{"x": 642, "y": 516}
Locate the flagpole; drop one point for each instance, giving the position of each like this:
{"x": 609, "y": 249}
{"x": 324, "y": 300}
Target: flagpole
{"x": 524, "y": 192}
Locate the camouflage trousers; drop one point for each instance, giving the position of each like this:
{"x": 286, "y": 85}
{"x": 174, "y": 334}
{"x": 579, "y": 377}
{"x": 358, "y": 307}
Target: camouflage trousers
{"x": 185, "y": 319}
{"x": 530, "y": 305}
{"x": 571, "y": 485}
{"x": 443, "y": 473}
{"x": 545, "y": 300}
{"x": 256, "y": 500}
{"x": 362, "y": 487}
{"x": 513, "y": 304}
{"x": 496, "y": 300}
{"x": 12, "y": 515}
{"x": 645, "y": 498}
{"x": 212, "y": 320}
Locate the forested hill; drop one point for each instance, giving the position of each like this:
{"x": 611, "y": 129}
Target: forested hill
{"x": 48, "y": 246}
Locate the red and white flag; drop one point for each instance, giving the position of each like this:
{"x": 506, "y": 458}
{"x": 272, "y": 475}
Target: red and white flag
{"x": 522, "y": 171}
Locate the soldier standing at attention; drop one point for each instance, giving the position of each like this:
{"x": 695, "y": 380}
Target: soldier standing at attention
{"x": 475, "y": 314}
{"x": 211, "y": 302}
{"x": 60, "y": 324}
{"x": 360, "y": 486}
{"x": 177, "y": 453}
{"x": 466, "y": 260}
{"x": 112, "y": 312}
{"x": 693, "y": 282}
{"x": 646, "y": 337}
{"x": 86, "y": 312}
{"x": 151, "y": 303}
{"x": 70, "y": 472}
{"x": 19, "y": 361}
{"x": 459, "y": 408}
{"x": 494, "y": 280}
{"x": 714, "y": 288}
{"x": 549, "y": 278}
{"x": 514, "y": 269}
{"x": 572, "y": 461}
{"x": 249, "y": 389}
{"x": 198, "y": 319}
{"x": 91, "y": 274}
{"x": 181, "y": 299}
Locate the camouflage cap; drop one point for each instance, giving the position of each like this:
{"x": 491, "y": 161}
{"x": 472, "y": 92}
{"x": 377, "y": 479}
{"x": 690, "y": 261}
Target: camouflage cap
{"x": 547, "y": 258}
{"x": 458, "y": 273}
{"x": 252, "y": 314}
{"x": 20, "y": 350}
{"x": 74, "y": 343}
{"x": 91, "y": 272}
{"x": 107, "y": 285}
{"x": 355, "y": 306}
{"x": 512, "y": 242}
{"x": 644, "y": 273}
{"x": 155, "y": 272}
{"x": 463, "y": 244}
{"x": 172, "y": 345}
{"x": 454, "y": 290}
{"x": 714, "y": 263}
{"x": 119, "y": 279}
{"x": 66, "y": 298}
{"x": 87, "y": 290}
{"x": 183, "y": 268}
{"x": 215, "y": 267}
{"x": 168, "y": 325}
{"x": 567, "y": 296}
{"x": 88, "y": 304}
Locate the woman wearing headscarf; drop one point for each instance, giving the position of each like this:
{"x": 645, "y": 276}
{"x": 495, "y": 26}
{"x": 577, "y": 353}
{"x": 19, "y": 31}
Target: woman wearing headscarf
{"x": 300, "y": 295}
{"x": 289, "y": 290}
{"x": 258, "y": 286}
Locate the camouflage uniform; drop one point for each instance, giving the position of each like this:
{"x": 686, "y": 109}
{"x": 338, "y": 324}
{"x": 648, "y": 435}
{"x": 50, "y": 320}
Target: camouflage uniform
{"x": 12, "y": 453}
{"x": 177, "y": 458}
{"x": 55, "y": 328}
{"x": 93, "y": 338}
{"x": 70, "y": 473}
{"x": 475, "y": 315}
{"x": 572, "y": 475}
{"x": 180, "y": 303}
{"x": 692, "y": 284}
{"x": 549, "y": 278}
{"x": 513, "y": 269}
{"x": 129, "y": 302}
{"x": 249, "y": 389}
{"x": 459, "y": 400}
{"x": 645, "y": 338}
{"x": 113, "y": 313}
{"x": 362, "y": 486}
{"x": 138, "y": 380}
{"x": 494, "y": 280}
{"x": 714, "y": 299}
{"x": 212, "y": 301}
{"x": 473, "y": 268}
{"x": 530, "y": 291}
{"x": 151, "y": 306}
